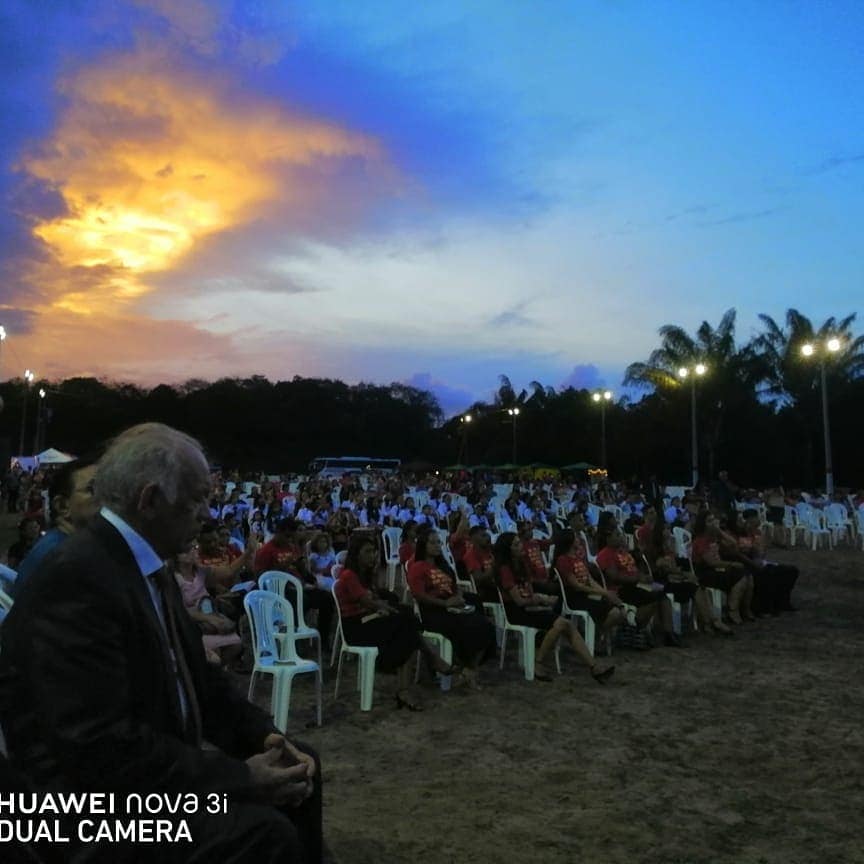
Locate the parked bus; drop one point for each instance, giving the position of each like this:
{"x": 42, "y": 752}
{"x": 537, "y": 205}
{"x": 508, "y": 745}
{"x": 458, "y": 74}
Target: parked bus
{"x": 337, "y": 466}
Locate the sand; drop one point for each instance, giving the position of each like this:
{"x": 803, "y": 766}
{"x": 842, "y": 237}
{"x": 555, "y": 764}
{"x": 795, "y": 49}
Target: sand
{"x": 745, "y": 750}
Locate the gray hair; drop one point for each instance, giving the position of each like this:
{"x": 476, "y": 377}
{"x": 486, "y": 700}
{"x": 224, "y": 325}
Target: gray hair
{"x": 141, "y": 455}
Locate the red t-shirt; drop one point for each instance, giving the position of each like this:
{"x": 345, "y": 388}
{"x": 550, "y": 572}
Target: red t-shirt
{"x": 424, "y": 577}
{"x": 476, "y": 559}
{"x": 643, "y": 535}
{"x": 459, "y": 546}
{"x": 273, "y": 557}
{"x": 701, "y": 547}
{"x": 349, "y": 591}
{"x": 406, "y": 552}
{"x": 532, "y": 553}
{"x": 509, "y": 581}
{"x": 620, "y": 559}
{"x": 573, "y": 569}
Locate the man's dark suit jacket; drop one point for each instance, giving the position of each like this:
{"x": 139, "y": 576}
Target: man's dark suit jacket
{"x": 88, "y": 696}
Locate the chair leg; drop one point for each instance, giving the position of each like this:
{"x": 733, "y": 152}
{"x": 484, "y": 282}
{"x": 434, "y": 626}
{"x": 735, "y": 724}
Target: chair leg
{"x": 367, "y": 666}
{"x": 503, "y": 648}
{"x": 253, "y": 678}
{"x": 337, "y": 644}
{"x": 281, "y": 700}
{"x": 528, "y": 653}
{"x": 319, "y": 683}
{"x": 590, "y": 634}
{"x": 338, "y": 674}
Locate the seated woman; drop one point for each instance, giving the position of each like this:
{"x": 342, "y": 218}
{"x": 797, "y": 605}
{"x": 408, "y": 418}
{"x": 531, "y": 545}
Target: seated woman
{"x": 659, "y": 549}
{"x": 479, "y": 563}
{"x": 772, "y": 582}
{"x": 571, "y": 561}
{"x": 222, "y": 643}
{"x": 541, "y": 611}
{"x": 712, "y": 571}
{"x": 445, "y": 610}
{"x": 372, "y": 617}
{"x": 408, "y": 542}
{"x": 532, "y": 552}
{"x": 623, "y": 577}
{"x": 322, "y": 557}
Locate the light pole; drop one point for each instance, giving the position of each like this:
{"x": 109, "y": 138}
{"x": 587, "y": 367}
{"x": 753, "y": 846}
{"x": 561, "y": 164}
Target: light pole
{"x": 465, "y": 420}
{"x": 2, "y": 340}
{"x": 696, "y": 372}
{"x": 601, "y": 397}
{"x": 40, "y": 409}
{"x": 28, "y": 380}
{"x": 831, "y": 346}
{"x": 514, "y": 413}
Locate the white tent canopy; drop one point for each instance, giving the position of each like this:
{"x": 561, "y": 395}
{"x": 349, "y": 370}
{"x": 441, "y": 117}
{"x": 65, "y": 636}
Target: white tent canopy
{"x": 53, "y": 457}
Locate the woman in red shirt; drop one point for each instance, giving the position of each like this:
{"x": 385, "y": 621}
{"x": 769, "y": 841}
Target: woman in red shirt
{"x": 712, "y": 571}
{"x": 624, "y": 578}
{"x": 571, "y": 560}
{"x": 372, "y": 617}
{"x": 409, "y": 540}
{"x": 444, "y": 609}
{"x": 542, "y": 611}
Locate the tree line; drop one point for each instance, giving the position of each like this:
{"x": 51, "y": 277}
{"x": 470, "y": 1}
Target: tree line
{"x": 758, "y": 406}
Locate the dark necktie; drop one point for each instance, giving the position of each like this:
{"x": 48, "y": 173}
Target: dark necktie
{"x": 167, "y": 589}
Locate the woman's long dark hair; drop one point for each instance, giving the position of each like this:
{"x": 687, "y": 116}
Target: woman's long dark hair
{"x": 352, "y": 558}
{"x": 420, "y": 553}
{"x": 564, "y": 541}
{"x": 502, "y": 553}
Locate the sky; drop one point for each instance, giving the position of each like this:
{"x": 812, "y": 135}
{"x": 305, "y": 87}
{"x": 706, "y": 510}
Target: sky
{"x": 436, "y": 193}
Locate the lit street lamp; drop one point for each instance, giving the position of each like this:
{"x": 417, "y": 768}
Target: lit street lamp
{"x": 602, "y": 397}
{"x": 696, "y": 372}
{"x": 831, "y": 346}
{"x": 40, "y": 410}
{"x": 465, "y": 420}
{"x": 28, "y": 380}
{"x": 514, "y": 413}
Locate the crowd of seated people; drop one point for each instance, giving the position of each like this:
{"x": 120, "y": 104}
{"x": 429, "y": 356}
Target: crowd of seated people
{"x": 467, "y": 542}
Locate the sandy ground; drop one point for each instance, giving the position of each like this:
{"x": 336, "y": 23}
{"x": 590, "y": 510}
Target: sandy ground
{"x": 747, "y": 750}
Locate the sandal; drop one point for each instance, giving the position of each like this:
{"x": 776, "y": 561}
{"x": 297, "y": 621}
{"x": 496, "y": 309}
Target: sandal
{"x": 541, "y": 672}
{"x": 604, "y": 676}
{"x": 402, "y": 702}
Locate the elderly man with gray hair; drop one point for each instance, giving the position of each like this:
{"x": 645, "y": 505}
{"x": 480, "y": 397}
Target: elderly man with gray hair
{"x": 104, "y": 685}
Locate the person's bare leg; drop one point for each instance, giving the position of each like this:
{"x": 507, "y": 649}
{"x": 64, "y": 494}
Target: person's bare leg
{"x": 747, "y": 598}
{"x": 613, "y": 619}
{"x": 735, "y": 596}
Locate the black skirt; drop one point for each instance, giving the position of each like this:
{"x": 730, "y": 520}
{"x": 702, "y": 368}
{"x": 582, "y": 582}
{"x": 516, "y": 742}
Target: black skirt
{"x": 471, "y": 633}
{"x": 395, "y": 636}
{"x": 724, "y": 580}
{"x": 541, "y": 619}
{"x": 597, "y": 607}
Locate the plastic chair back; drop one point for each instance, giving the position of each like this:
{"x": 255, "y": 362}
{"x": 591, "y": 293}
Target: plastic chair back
{"x": 268, "y": 615}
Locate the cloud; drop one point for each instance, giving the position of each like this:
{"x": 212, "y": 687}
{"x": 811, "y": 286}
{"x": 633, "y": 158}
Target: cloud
{"x": 583, "y": 376}
{"x": 832, "y": 163}
{"x": 512, "y": 317}
{"x": 742, "y": 216}
{"x": 451, "y": 399}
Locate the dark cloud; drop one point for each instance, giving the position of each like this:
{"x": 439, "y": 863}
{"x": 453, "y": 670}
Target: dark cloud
{"x": 451, "y": 399}
{"x": 511, "y": 317}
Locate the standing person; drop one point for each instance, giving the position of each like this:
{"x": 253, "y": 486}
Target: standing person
{"x": 104, "y": 682}
{"x": 28, "y": 536}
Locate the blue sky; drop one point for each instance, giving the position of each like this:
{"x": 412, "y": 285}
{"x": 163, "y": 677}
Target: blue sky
{"x": 434, "y": 193}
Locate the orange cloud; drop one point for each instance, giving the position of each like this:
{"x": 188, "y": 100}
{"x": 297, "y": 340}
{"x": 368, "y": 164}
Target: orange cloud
{"x": 149, "y": 161}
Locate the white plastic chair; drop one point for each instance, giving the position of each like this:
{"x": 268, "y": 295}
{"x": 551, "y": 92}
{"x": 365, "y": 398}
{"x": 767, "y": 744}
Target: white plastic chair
{"x": 391, "y": 538}
{"x": 527, "y": 645}
{"x": 276, "y": 581}
{"x": 268, "y": 615}
{"x": 366, "y": 657}
{"x": 587, "y": 621}
{"x": 684, "y": 549}
{"x": 837, "y": 521}
{"x": 5, "y": 605}
{"x": 859, "y": 518}
{"x": 814, "y": 524}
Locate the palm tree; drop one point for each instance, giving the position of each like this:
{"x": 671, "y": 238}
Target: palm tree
{"x": 788, "y": 377}
{"x": 732, "y": 374}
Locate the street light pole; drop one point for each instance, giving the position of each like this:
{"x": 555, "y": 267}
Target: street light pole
{"x": 832, "y": 346}
{"x": 28, "y": 380}
{"x": 514, "y": 413}
{"x": 40, "y": 409}
{"x": 463, "y": 447}
{"x": 684, "y": 372}
{"x": 602, "y": 396}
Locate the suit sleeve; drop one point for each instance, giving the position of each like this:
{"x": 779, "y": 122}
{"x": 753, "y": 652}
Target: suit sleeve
{"x": 71, "y": 658}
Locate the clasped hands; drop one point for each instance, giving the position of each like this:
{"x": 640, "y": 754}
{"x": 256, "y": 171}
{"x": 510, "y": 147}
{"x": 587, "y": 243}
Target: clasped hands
{"x": 282, "y": 774}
